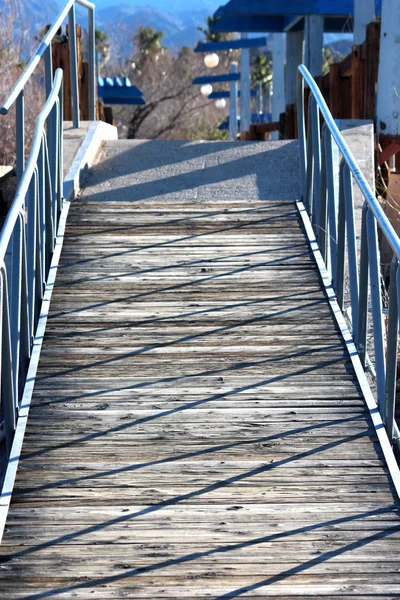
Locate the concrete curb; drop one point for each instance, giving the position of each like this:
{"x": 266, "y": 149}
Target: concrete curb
{"x": 98, "y": 132}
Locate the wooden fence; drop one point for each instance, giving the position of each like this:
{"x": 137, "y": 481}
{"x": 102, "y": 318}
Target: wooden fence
{"x": 349, "y": 88}
{"x": 60, "y": 52}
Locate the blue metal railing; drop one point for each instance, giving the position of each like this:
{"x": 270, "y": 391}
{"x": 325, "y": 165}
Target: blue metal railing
{"x": 27, "y": 242}
{"x": 44, "y": 50}
{"x": 333, "y": 218}
{"x": 28, "y": 236}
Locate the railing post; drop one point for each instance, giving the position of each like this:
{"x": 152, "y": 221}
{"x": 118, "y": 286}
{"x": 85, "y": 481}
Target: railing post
{"x": 73, "y": 65}
{"x": 376, "y": 299}
{"x": 20, "y": 134}
{"x": 341, "y": 241}
{"x": 391, "y": 353}
{"x": 363, "y": 291}
{"x": 259, "y": 97}
{"x": 92, "y": 65}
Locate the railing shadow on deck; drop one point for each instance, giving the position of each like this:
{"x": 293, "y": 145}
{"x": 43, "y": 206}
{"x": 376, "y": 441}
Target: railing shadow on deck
{"x": 169, "y": 288}
{"x": 324, "y": 557}
{"x": 201, "y": 215}
{"x": 193, "y": 313}
{"x": 200, "y": 402}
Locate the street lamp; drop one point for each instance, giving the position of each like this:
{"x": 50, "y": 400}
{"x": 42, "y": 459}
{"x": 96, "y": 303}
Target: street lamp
{"x": 211, "y": 60}
{"x": 206, "y": 89}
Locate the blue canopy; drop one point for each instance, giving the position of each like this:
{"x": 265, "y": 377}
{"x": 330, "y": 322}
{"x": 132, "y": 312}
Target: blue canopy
{"x": 231, "y": 45}
{"x": 275, "y": 16}
{"x": 216, "y": 78}
{"x": 117, "y": 91}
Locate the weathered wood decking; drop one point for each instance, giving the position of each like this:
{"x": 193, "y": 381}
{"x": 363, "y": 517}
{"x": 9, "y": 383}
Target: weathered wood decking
{"x": 197, "y": 430}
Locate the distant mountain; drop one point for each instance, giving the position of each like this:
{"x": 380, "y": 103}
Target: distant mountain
{"x": 33, "y": 15}
{"x": 122, "y": 21}
{"x": 340, "y": 46}
{"x": 166, "y": 5}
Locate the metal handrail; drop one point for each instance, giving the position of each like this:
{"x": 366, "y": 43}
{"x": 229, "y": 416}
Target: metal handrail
{"x": 19, "y": 200}
{"x": 27, "y": 243}
{"x": 16, "y": 95}
{"x": 331, "y": 210}
{"x": 384, "y": 223}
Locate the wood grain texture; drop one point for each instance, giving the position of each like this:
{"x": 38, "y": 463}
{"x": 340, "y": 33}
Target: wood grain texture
{"x": 197, "y": 430}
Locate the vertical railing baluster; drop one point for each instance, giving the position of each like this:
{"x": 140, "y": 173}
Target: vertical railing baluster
{"x": 391, "y": 352}
{"x": 377, "y": 318}
{"x": 332, "y": 207}
{"x": 73, "y": 63}
{"x": 31, "y": 228}
{"x": 14, "y": 273}
{"x": 42, "y": 206}
{"x": 60, "y": 152}
{"x": 20, "y": 134}
{"x": 7, "y": 382}
{"x": 47, "y": 211}
{"x": 310, "y": 164}
{"x": 363, "y": 291}
{"x": 39, "y": 253}
{"x": 351, "y": 247}
{"x": 25, "y": 337}
{"x": 52, "y": 154}
{"x": 301, "y": 126}
{"x": 323, "y": 216}
{"x": 316, "y": 144}
{"x": 341, "y": 241}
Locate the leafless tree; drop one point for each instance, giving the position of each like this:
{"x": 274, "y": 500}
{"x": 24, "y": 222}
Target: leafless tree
{"x": 174, "y": 108}
{"x": 16, "y": 44}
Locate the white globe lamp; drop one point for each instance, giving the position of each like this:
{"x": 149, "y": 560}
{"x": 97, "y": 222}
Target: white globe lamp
{"x": 206, "y": 89}
{"x": 220, "y": 103}
{"x": 211, "y": 60}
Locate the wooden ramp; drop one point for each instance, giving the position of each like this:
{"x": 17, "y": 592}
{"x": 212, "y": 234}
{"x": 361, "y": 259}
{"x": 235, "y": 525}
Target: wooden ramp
{"x": 197, "y": 430}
